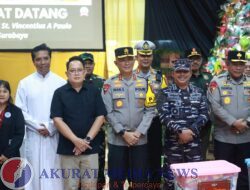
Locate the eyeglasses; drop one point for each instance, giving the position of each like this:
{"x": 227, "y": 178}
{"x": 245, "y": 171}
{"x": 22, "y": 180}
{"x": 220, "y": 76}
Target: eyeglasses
{"x": 76, "y": 71}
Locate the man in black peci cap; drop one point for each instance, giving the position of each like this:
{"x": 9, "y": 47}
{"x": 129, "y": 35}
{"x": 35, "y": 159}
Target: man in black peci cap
{"x": 124, "y": 97}
{"x": 229, "y": 96}
{"x": 200, "y": 79}
{"x": 183, "y": 112}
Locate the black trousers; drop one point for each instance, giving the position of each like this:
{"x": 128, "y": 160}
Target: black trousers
{"x": 101, "y": 173}
{"x": 236, "y": 154}
{"x": 205, "y": 136}
{"x": 127, "y": 163}
{"x": 155, "y": 151}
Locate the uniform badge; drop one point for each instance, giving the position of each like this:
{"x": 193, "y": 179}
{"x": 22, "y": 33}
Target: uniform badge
{"x": 213, "y": 85}
{"x": 150, "y": 98}
{"x": 224, "y": 92}
{"x": 138, "y": 80}
{"x": 248, "y": 100}
{"x": 117, "y": 95}
{"x": 225, "y": 83}
{"x": 205, "y": 77}
{"x": 119, "y": 103}
{"x": 145, "y": 46}
{"x": 139, "y": 85}
{"x": 246, "y": 83}
{"x": 106, "y": 88}
{"x": 141, "y": 95}
{"x": 227, "y": 100}
{"x": 118, "y": 85}
{"x": 125, "y": 51}
{"x": 164, "y": 83}
{"x": 7, "y": 114}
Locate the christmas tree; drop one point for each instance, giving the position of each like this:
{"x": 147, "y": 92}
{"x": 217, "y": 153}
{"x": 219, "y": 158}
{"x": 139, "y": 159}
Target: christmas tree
{"x": 233, "y": 34}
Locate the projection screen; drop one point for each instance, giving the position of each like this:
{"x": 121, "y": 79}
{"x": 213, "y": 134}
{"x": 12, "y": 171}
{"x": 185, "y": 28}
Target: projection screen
{"x": 62, "y": 24}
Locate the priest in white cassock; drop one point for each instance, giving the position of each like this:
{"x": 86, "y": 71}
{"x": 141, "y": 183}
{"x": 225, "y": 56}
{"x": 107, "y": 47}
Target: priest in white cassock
{"x": 34, "y": 95}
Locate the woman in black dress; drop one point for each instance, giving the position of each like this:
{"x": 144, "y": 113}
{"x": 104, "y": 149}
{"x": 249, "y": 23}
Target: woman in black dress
{"x": 11, "y": 127}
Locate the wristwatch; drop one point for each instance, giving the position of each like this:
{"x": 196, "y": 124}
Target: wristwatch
{"x": 122, "y": 132}
{"x": 179, "y": 131}
{"x": 88, "y": 139}
{"x": 248, "y": 123}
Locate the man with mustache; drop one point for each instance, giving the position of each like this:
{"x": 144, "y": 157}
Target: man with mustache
{"x": 229, "y": 96}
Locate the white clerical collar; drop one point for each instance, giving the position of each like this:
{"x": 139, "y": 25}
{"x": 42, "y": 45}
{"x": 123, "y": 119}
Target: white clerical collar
{"x": 41, "y": 76}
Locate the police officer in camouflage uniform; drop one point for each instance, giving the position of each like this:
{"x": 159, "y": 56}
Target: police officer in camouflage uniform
{"x": 88, "y": 60}
{"x": 124, "y": 97}
{"x": 156, "y": 82}
{"x": 229, "y": 96}
{"x": 183, "y": 111}
{"x": 200, "y": 79}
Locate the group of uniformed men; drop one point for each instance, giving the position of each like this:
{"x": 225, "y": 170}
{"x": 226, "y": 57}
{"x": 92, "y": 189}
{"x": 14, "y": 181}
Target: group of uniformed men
{"x": 139, "y": 102}
{"x": 140, "y": 105}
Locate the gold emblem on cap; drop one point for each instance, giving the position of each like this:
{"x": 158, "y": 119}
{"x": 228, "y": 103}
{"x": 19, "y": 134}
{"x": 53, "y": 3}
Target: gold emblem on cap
{"x": 239, "y": 55}
{"x": 194, "y": 52}
{"x": 126, "y": 51}
{"x": 145, "y": 46}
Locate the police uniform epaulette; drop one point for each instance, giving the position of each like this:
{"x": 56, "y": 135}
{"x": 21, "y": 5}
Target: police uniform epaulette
{"x": 139, "y": 77}
{"x": 222, "y": 75}
{"x": 114, "y": 77}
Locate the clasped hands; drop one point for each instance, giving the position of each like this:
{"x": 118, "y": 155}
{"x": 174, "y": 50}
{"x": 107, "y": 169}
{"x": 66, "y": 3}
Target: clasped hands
{"x": 185, "y": 136}
{"x": 44, "y": 131}
{"x": 3, "y": 159}
{"x": 131, "y": 138}
{"x": 81, "y": 145}
{"x": 239, "y": 126}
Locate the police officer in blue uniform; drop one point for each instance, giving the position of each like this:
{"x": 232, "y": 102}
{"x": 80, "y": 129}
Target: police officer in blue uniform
{"x": 183, "y": 111}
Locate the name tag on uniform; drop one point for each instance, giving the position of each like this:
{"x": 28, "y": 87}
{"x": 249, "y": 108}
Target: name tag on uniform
{"x": 195, "y": 97}
{"x": 118, "y": 95}
{"x": 226, "y": 88}
{"x": 140, "y": 89}
{"x": 226, "y": 92}
{"x": 118, "y": 89}
{"x": 174, "y": 96}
